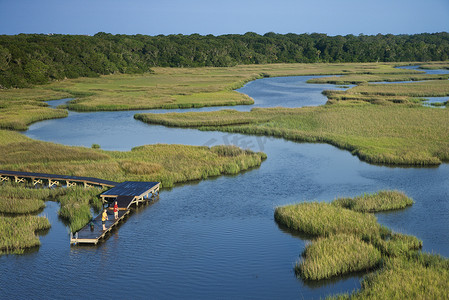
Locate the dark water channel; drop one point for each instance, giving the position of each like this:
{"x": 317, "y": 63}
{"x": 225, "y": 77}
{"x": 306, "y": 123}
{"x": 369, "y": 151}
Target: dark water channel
{"x": 217, "y": 238}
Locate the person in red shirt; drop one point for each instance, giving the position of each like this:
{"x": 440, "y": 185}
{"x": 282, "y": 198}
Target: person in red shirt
{"x": 115, "y": 210}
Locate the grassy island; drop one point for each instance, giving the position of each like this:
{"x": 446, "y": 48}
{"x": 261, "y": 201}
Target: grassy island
{"x": 18, "y": 233}
{"x": 349, "y": 240}
{"x": 393, "y": 134}
{"x": 159, "y": 162}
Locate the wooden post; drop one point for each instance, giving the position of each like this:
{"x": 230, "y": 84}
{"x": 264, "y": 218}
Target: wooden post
{"x": 36, "y": 181}
{"x": 18, "y": 179}
{"x": 4, "y": 178}
{"x": 70, "y": 184}
{"x": 86, "y": 185}
{"x": 52, "y": 183}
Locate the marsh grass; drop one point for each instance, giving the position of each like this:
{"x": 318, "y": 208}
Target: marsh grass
{"x": 380, "y": 201}
{"x": 20, "y": 206}
{"x": 186, "y": 88}
{"x": 392, "y": 134}
{"x": 398, "y": 244}
{"x": 198, "y": 119}
{"x": 423, "y": 276}
{"x": 76, "y": 206}
{"x": 21, "y": 107}
{"x": 168, "y": 164}
{"x": 428, "y": 88}
{"x": 335, "y": 255}
{"x": 402, "y": 272}
{"x": 76, "y": 202}
{"x": 18, "y": 233}
{"x": 22, "y": 199}
{"x": 167, "y": 88}
{"x": 366, "y": 78}
{"x": 320, "y": 219}
{"x": 434, "y": 65}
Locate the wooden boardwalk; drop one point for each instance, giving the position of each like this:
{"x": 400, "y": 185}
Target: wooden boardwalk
{"x": 54, "y": 179}
{"x": 126, "y": 194}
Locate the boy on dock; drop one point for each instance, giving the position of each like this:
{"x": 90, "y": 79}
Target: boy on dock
{"x": 104, "y": 217}
{"x": 115, "y": 210}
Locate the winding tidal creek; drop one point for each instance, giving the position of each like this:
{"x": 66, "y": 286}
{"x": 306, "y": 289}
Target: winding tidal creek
{"x": 217, "y": 238}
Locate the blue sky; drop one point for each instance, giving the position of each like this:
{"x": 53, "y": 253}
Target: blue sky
{"x": 151, "y": 17}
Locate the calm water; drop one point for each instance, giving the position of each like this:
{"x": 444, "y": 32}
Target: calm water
{"x": 428, "y": 71}
{"x": 217, "y": 238}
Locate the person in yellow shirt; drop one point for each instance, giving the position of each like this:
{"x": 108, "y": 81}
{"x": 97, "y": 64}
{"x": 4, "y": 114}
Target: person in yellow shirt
{"x": 104, "y": 217}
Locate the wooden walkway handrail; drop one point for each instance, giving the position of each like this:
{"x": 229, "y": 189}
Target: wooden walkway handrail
{"x": 54, "y": 179}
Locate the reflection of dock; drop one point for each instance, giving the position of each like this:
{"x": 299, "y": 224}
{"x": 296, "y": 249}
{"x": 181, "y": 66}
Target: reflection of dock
{"x": 126, "y": 194}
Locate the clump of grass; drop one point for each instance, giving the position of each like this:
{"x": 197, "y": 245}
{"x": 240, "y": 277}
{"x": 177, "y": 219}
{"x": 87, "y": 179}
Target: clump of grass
{"x": 18, "y": 233}
{"x": 335, "y": 255}
{"x": 20, "y": 206}
{"x": 380, "y": 201}
{"x": 365, "y": 78}
{"x": 22, "y": 199}
{"x": 198, "y": 119}
{"x": 320, "y": 219}
{"x": 439, "y": 104}
{"x": 406, "y": 279}
{"x": 227, "y": 151}
{"x": 398, "y": 244}
{"x": 140, "y": 167}
{"x": 76, "y": 204}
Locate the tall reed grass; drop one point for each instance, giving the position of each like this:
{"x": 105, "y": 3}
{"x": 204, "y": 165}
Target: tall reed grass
{"x": 365, "y": 78}
{"x": 406, "y": 278}
{"x": 334, "y": 222}
{"x": 379, "y": 201}
{"x": 335, "y": 255}
{"x": 76, "y": 204}
{"x": 168, "y": 164}
{"x": 23, "y": 199}
{"x": 18, "y": 233}
{"x": 394, "y": 134}
{"x": 320, "y": 219}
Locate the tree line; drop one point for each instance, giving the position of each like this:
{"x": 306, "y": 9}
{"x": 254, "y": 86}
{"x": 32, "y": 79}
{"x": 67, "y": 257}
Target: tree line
{"x": 28, "y": 59}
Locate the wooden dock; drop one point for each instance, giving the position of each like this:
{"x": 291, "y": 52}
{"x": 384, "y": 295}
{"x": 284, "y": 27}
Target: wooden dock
{"x": 126, "y": 194}
{"x": 54, "y": 179}
{"x": 88, "y": 235}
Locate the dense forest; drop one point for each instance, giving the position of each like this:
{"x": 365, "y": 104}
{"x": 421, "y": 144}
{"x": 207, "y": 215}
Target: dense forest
{"x": 27, "y": 59}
